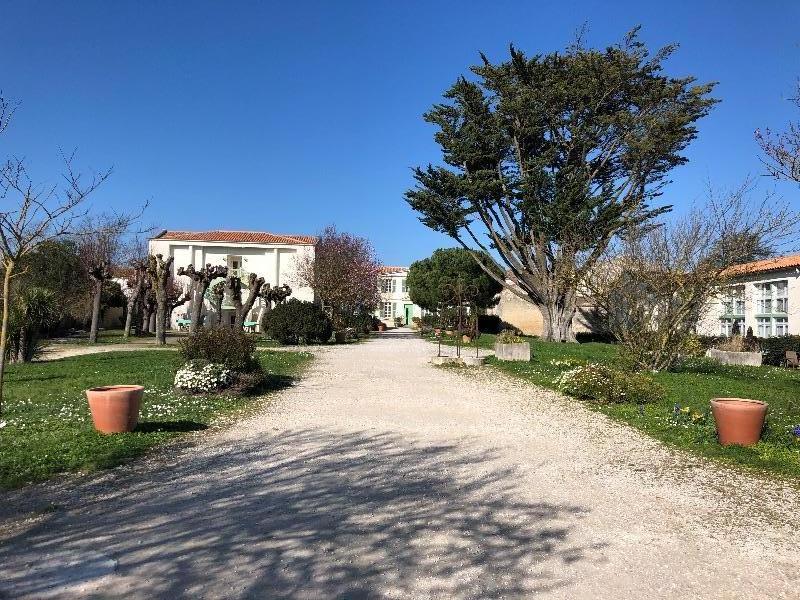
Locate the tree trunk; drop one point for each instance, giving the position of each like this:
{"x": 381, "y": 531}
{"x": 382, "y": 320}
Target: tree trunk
{"x": 557, "y": 321}
{"x": 146, "y": 310}
{"x": 151, "y": 322}
{"x": 9, "y": 268}
{"x": 129, "y": 317}
{"x": 98, "y": 293}
{"x": 22, "y": 349}
{"x": 161, "y": 315}
{"x": 196, "y": 307}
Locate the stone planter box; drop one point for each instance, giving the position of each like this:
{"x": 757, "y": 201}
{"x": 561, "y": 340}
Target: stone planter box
{"x": 446, "y": 360}
{"x": 751, "y": 359}
{"x": 473, "y": 361}
{"x": 520, "y": 351}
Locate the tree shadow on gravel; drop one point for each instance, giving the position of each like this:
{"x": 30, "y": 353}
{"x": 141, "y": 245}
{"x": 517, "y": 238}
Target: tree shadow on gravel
{"x": 310, "y": 514}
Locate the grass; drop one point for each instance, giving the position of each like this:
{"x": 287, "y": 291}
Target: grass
{"x": 690, "y": 388}
{"x": 48, "y": 426}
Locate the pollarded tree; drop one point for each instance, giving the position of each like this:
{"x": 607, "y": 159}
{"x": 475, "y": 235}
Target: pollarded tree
{"x": 550, "y": 157}
{"x": 217, "y": 297}
{"x": 159, "y": 272}
{"x": 202, "y": 278}
{"x": 254, "y": 287}
{"x": 273, "y": 296}
{"x": 428, "y": 279}
{"x": 135, "y": 291}
{"x": 344, "y": 273}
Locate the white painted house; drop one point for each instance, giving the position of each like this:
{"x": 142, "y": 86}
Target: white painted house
{"x": 271, "y": 256}
{"x": 395, "y": 301}
{"x": 764, "y": 295}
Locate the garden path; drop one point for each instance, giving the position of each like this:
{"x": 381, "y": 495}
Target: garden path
{"x": 380, "y": 476}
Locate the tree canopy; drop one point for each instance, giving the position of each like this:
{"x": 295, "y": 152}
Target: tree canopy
{"x": 429, "y": 277}
{"x": 549, "y": 157}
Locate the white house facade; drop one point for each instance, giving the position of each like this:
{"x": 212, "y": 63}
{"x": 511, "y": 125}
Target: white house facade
{"x": 271, "y": 256}
{"x": 764, "y": 295}
{"x": 395, "y": 301}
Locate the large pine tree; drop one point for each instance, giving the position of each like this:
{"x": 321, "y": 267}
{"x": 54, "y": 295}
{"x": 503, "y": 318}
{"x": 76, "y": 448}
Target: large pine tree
{"x": 550, "y": 157}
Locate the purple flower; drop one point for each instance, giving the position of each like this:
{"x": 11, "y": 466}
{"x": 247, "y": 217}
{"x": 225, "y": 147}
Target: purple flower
{"x": 796, "y": 431}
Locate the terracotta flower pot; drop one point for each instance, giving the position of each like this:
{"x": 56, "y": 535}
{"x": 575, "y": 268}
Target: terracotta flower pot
{"x": 739, "y": 421}
{"x": 115, "y": 408}
{"x": 381, "y": 326}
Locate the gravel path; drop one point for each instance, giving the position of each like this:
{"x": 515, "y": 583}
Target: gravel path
{"x": 380, "y": 476}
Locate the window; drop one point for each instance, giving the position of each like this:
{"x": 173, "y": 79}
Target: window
{"x": 729, "y": 327}
{"x": 773, "y": 297}
{"x": 733, "y": 301}
{"x": 387, "y": 285}
{"x": 234, "y": 265}
{"x": 782, "y": 297}
{"x": 404, "y": 285}
{"x": 388, "y": 310}
{"x": 764, "y": 326}
{"x": 781, "y": 326}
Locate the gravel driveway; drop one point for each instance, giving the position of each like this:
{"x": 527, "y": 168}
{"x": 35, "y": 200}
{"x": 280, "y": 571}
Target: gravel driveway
{"x": 380, "y": 476}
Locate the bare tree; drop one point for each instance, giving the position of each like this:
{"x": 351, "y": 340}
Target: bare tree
{"x": 782, "y": 150}
{"x": 134, "y": 292}
{"x": 343, "y": 272}
{"x": 101, "y": 246}
{"x": 254, "y": 286}
{"x": 654, "y": 288}
{"x": 202, "y": 278}
{"x": 159, "y": 271}
{"x": 148, "y": 306}
{"x": 217, "y": 297}
{"x": 177, "y": 295}
{"x": 32, "y": 215}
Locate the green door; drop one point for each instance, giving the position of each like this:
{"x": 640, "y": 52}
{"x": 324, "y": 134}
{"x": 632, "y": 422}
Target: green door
{"x": 409, "y": 313}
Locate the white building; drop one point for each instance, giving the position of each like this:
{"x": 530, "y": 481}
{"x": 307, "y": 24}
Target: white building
{"x": 764, "y": 295}
{"x": 395, "y": 301}
{"x": 271, "y": 256}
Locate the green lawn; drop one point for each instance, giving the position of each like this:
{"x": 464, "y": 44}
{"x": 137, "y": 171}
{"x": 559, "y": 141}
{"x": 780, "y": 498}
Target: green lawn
{"x": 690, "y": 388}
{"x": 48, "y": 427}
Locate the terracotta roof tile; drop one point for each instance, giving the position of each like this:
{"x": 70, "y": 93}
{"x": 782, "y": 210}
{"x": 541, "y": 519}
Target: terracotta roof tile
{"x": 389, "y": 270}
{"x": 245, "y": 237}
{"x": 768, "y": 264}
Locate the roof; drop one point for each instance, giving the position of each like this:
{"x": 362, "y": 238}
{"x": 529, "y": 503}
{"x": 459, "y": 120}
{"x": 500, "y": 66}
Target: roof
{"x": 242, "y": 237}
{"x": 388, "y": 270}
{"x": 768, "y": 264}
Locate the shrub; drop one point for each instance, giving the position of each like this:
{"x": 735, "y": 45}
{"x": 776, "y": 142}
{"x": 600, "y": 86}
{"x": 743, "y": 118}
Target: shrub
{"x": 606, "y": 385}
{"x": 232, "y": 348}
{"x": 774, "y": 349}
{"x": 490, "y": 324}
{"x": 508, "y": 336}
{"x": 602, "y": 337}
{"x": 296, "y": 322}
{"x": 201, "y": 377}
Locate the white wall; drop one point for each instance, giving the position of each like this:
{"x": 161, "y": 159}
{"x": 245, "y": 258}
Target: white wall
{"x": 276, "y": 263}
{"x": 398, "y": 298}
{"x": 710, "y": 324}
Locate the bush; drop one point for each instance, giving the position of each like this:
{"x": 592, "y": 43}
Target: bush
{"x": 606, "y": 385}
{"x": 490, "y": 324}
{"x": 229, "y": 347}
{"x": 201, "y": 377}
{"x": 774, "y": 349}
{"x": 296, "y": 322}
{"x": 602, "y": 337}
{"x": 508, "y": 336}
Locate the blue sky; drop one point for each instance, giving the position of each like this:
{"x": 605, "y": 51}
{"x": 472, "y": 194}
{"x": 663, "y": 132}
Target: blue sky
{"x": 287, "y": 116}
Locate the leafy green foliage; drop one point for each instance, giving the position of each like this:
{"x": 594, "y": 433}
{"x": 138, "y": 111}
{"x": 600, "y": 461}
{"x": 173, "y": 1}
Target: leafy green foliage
{"x": 296, "y": 322}
{"x": 49, "y": 429}
{"x": 428, "y": 279}
{"x": 549, "y": 157}
{"x": 221, "y": 345}
{"x": 602, "y": 383}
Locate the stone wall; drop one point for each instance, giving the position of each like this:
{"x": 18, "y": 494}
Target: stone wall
{"x": 528, "y": 319}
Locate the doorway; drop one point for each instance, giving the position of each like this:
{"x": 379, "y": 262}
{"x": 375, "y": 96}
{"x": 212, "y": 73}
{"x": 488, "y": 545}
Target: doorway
{"x": 409, "y": 309}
